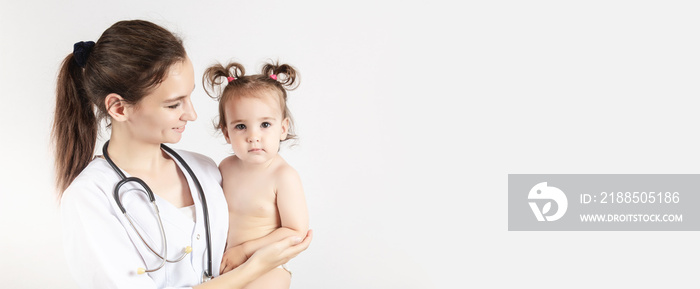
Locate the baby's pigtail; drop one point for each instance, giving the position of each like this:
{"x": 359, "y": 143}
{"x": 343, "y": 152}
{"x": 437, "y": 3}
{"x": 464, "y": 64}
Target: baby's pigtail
{"x": 215, "y": 81}
{"x": 235, "y": 70}
{"x": 212, "y": 79}
{"x": 286, "y": 78}
{"x": 216, "y": 75}
{"x": 285, "y": 74}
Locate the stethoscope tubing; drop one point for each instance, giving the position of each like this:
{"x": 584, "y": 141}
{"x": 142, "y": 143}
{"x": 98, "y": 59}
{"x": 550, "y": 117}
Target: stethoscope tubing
{"x": 205, "y": 208}
{"x": 151, "y": 198}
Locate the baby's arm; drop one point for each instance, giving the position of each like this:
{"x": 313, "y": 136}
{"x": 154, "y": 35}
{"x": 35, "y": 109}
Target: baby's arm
{"x": 233, "y": 256}
{"x": 291, "y": 205}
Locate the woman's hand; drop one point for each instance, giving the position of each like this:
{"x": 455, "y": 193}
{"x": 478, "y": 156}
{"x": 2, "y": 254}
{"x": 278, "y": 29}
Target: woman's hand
{"x": 233, "y": 257}
{"x": 261, "y": 262}
{"x": 278, "y": 253}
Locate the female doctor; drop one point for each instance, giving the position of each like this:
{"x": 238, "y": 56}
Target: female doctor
{"x": 139, "y": 77}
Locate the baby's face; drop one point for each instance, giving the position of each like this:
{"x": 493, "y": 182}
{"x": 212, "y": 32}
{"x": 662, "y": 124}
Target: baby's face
{"x": 255, "y": 127}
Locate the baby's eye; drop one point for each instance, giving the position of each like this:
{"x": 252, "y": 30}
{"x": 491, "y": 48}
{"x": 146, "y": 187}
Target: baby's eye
{"x": 239, "y": 126}
{"x": 265, "y": 125}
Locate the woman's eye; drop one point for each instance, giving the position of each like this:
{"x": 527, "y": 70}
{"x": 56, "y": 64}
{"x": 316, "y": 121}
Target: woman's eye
{"x": 265, "y": 125}
{"x": 174, "y": 106}
{"x": 239, "y": 126}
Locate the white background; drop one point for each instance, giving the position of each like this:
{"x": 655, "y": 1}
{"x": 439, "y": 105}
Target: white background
{"x": 410, "y": 116}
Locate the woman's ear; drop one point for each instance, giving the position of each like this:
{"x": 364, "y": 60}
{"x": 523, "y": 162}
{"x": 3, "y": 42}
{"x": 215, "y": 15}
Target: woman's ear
{"x": 116, "y": 107}
{"x": 285, "y": 129}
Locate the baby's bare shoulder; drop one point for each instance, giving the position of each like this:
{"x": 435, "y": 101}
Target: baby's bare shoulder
{"x": 285, "y": 174}
{"x": 229, "y": 165}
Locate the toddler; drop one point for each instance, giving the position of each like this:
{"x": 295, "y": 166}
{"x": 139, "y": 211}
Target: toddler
{"x": 264, "y": 194}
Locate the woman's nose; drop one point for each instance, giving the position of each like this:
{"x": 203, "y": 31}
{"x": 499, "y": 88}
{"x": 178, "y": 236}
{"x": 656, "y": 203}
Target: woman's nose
{"x": 189, "y": 114}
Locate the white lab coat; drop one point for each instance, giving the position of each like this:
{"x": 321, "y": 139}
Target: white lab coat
{"x": 104, "y": 251}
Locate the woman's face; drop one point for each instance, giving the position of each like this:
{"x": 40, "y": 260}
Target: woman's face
{"x": 255, "y": 127}
{"x": 161, "y": 116}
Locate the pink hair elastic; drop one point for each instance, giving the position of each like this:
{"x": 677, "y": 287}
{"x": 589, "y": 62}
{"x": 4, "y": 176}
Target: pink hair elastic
{"x": 230, "y": 78}
{"x": 273, "y": 76}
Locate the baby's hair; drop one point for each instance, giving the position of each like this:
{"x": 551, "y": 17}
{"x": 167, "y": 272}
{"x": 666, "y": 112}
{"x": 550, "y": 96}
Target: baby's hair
{"x": 226, "y": 83}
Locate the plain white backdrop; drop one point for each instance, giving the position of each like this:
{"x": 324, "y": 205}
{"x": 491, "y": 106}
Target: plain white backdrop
{"x": 411, "y": 114}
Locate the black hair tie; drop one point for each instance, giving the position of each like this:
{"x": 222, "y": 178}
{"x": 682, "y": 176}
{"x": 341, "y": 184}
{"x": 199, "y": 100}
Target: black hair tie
{"x": 81, "y": 51}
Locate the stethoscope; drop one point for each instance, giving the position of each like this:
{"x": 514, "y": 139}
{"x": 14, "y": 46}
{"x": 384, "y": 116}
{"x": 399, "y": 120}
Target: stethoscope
{"x": 124, "y": 180}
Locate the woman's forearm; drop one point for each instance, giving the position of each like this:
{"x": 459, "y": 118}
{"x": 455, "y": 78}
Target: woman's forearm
{"x": 251, "y": 246}
{"x": 262, "y": 261}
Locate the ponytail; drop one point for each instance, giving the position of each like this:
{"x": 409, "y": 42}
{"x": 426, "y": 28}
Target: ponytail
{"x": 75, "y": 124}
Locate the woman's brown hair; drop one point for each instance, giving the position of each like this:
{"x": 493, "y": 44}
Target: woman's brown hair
{"x": 129, "y": 59}
{"x": 275, "y": 77}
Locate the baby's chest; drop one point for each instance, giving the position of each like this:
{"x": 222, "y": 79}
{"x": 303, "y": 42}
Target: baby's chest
{"x": 252, "y": 200}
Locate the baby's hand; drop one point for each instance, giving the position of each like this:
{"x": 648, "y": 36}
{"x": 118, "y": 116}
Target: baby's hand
{"x": 233, "y": 257}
